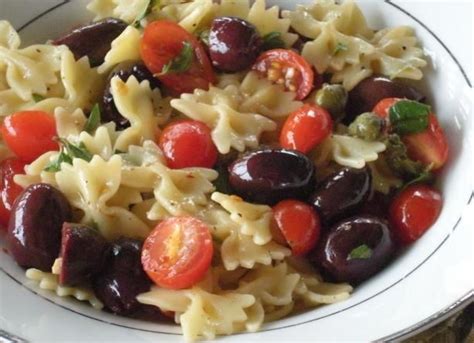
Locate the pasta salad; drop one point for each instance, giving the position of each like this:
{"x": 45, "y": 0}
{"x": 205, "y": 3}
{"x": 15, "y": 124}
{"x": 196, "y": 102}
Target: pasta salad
{"x": 216, "y": 164}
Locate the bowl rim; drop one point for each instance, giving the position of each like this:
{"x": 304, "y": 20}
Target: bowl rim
{"x": 409, "y": 331}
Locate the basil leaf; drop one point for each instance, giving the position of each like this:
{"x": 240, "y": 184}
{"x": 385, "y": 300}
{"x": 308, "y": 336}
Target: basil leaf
{"x": 340, "y": 47}
{"x": 180, "y": 63}
{"x": 38, "y": 97}
{"x": 93, "y": 121}
{"x": 273, "y": 40}
{"x": 146, "y": 11}
{"x": 361, "y": 252}
{"x": 424, "y": 177}
{"x": 76, "y": 151}
{"x": 55, "y": 166}
{"x": 408, "y": 116}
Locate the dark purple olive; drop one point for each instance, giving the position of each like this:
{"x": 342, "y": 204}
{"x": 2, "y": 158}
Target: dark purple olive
{"x": 355, "y": 249}
{"x": 340, "y": 194}
{"x": 34, "y": 230}
{"x": 122, "y": 278}
{"x": 93, "y": 40}
{"x": 270, "y": 175}
{"x": 370, "y": 91}
{"x": 234, "y": 44}
{"x": 124, "y": 70}
{"x": 83, "y": 252}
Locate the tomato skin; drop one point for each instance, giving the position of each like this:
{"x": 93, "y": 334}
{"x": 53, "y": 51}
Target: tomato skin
{"x": 188, "y": 143}
{"x": 413, "y": 211}
{"x": 29, "y": 134}
{"x": 9, "y": 190}
{"x": 305, "y": 128}
{"x": 162, "y": 41}
{"x": 303, "y": 78}
{"x": 299, "y": 224}
{"x": 429, "y": 147}
{"x": 178, "y": 252}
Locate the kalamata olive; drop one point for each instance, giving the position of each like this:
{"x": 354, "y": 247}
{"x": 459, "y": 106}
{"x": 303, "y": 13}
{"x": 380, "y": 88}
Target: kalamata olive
{"x": 93, "y": 40}
{"x": 83, "y": 252}
{"x": 234, "y": 44}
{"x": 370, "y": 91}
{"x": 122, "y": 278}
{"x": 124, "y": 70}
{"x": 342, "y": 193}
{"x": 34, "y": 230}
{"x": 270, "y": 175}
{"x": 355, "y": 249}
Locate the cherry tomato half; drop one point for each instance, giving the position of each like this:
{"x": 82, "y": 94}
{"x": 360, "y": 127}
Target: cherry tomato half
{"x": 9, "y": 190}
{"x": 30, "y": 134}
{"x": 178, "y": 252}
{"x": 188, "y": 143}
{"x": 413, "y": 211}
{"x": 429, "y": 146}
{"x": 299, "y": 224}
{"x": 162, "y": 41}
{"x": 286, "y": 67}
{"x": 305, "y": 128}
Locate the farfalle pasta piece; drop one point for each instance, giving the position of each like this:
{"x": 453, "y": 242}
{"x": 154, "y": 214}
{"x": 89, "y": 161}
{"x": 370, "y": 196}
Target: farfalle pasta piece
{"x": 9, "y": 38}
{"x": 200, "y": 313}
{"x": 35, "y": 171}
{"x": 192, "y": 16}
{"x": 50, "y": 282}
{"x": 217, "y": 108}
{"x": 90, "y": 186}
{"x": 127, "y": 10}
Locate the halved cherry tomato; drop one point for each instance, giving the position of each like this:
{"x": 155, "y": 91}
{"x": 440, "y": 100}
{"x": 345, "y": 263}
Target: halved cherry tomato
{"x": 286, "y": 67}
{"x": 413, "y": 211}
{"x": 305, "y": 128}
{"x": 162, "y": 41}
{"x": 299, "y": 224}
{"x": 178, "y": 252}
{"x": 430, "y": 146}
{"x": 29, "y": 134}
{"x": 9, "y": 190}
{"x": 188, "y": 143}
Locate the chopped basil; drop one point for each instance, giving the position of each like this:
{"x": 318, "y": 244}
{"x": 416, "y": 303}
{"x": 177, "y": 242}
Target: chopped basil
{"x": 93, "y": 121}
{"x": 37, "y": 97}
{"x": 361, "y": 252}
{"x": 146, "y": 11}
{"x": 340, "y": 47}
{"x": 67, "y": 153}
{"x": 424, "y": 177}
{"x": 408, "y": 116}
{"x": 180, "y": 63}
{"x": 273, "y": 40}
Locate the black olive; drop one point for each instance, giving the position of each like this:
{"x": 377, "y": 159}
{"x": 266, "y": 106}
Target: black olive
{"x": 270, "y": 175}
{"x": 342, "y": 193}
{"x": 34, "y": 230}
{"x": 355, "y": 249}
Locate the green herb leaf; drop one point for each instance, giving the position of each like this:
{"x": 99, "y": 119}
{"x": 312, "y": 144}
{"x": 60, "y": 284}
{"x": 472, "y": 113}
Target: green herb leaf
{"x": 146, "y": 11}
{"x": 93, "y": 121}
{"x": 361, "y": 252}
{"x": 38, "y": 97}
{"x": 76, "y": 151}
{"x": 273, "y": 40}
{"x": 340, "y": 47}
{"x": 424, "y": 177}
{"x": 408, "y": 116}
{"x": 180, "y": 63}
{"x": 55, "y": 166}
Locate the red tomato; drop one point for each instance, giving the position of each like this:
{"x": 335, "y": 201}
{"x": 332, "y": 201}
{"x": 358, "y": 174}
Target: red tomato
{"x": 305, "y": 128}
{"x": 429, "y": 146}
{"x": 299, "y": 224}
{"x": 178, "y": 252}
{"x": 30, "y": 134}
{"x": 9, "y": 190}
{"x": 188, "y": 143}
{"x": 286, "y": 67}
{"x": 162, "y": 41}
{"x": 413, "y": 211}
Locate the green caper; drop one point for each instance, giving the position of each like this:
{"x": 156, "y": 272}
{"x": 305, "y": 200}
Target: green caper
{"x": 398, "y": 160}
{"x": 333, "y": 98}
{"x": 367, "y": 126}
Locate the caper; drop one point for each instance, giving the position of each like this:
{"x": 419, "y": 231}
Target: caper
{"x": 333, "y": 98}
{"x": 367, "y": 126}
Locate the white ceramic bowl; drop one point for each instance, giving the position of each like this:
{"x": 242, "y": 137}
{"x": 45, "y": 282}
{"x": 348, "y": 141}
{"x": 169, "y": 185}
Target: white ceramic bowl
{"x": 431, "y": 279}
